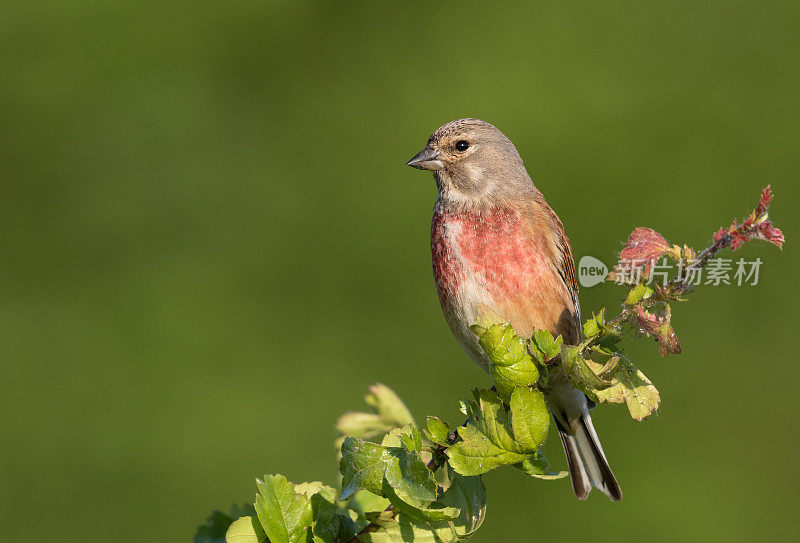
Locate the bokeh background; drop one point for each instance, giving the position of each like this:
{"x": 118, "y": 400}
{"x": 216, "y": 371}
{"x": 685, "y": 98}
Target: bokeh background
{"x": 210, "y": 246}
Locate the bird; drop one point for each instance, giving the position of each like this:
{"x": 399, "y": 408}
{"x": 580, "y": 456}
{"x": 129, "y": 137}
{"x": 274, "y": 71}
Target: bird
{"x": 497, "y": 244}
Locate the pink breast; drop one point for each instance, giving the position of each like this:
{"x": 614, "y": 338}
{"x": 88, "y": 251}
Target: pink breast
{"x": 493, "y": 248}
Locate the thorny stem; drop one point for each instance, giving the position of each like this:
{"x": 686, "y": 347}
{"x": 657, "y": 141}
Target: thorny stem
{"x": 701, "y": 260}
{"x": 678, "y": 285}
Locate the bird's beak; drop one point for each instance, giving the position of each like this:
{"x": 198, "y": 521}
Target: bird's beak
{"x": 427, "y": 159}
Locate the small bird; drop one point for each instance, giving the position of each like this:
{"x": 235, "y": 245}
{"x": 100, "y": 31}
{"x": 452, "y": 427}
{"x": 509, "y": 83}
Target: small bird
{"x": 496, "y": 243}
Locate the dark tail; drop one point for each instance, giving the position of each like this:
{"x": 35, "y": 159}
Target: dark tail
{"x": 588, "y": 466}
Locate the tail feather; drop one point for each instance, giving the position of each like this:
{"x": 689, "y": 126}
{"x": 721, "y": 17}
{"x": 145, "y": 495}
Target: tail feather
{"x": 581, "y": 484}
{"x": 587, "y": 463}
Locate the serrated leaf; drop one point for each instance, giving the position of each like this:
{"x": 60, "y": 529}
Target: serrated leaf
{"x": 408, "y": 436}
{"x": 431, "y": 513}
{"x": 530, "y": 418}
{"x": 365, "y": 466}
{"x": 579, "y": 373}
{"x": 644, "y": 246}
{"x": 591, "y": 328}
{"x": 499, "y": 345}
{"x": 388, "y": 405}
{"x": 490, "y": 439}
{"x": 631, "y": 386}
{"x": 327, "y": 525}
{"x": 411, "y": 480}
{"x": 468, "y": 495}
{"x": 638, "y": 293}
{"x": 245, "y": 530}
{"x": 315, "y": 487}
{"x": 477, "y": 454}
{"x": 284, "y": 515}
{"x": 404, "y": 528}
{"x": 438, "y": 431}
{"x": 411, "y": 439}
{"x": 340, "y": 528}
{"x": 511, "y": 365}
{"x": 547, "y": 344}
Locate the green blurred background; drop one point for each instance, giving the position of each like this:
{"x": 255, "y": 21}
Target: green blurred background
{"x": 211, "y": 246}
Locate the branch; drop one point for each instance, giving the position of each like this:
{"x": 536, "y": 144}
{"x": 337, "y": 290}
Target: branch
{"x": 645, "y": 246}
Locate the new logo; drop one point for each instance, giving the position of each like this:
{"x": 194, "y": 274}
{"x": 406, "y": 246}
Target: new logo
{"x": 591, "y": 271}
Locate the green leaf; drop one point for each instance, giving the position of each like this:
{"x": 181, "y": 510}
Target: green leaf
{"x": 404, "y": 528}
{"x": 638, "y": 293}
{"x": 433, "y": 512}
{"x": 511, "y": 364}
{"x": 549, "y": 346}
{"x": 496, "y": 342}
{"x": 438, "y": 431}
{"x": 363, "y": 425}
{"x": 579, "y": 373}
{"x": 538, "y": 466}
{"x": 340, "y": 528}
{"x": 217, "y": 524}
{"x": 632, "y": 387}
{"x": 530, "y": 418}
{"x": 388, "y": 412}
{"x": 365, "y": 466}
{"x": 388, "y": 405}
{"x": 595, "y": 325}
{"x": 363, "y": 502}
{"x": 408, "y": 436}
{"x": 284, "y": 514}
{"x": 245, "y": 530}
{"x": 315, "y": 487}
{"x": 411, "y": 480}
{"x": 591, "y": 328}
{"x": 604, "y": 365}
{"x": 490, "y": 439}
{"x": 468, "y": 495}
{"x": 323, "y": 499}
{"x": 330, "y": 524}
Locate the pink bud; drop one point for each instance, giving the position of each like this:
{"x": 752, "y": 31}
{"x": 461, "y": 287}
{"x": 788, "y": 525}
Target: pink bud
{"x": 764, "y": 201}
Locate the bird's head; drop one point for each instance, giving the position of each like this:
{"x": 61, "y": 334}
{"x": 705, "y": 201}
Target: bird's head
{"x": 472, "y": 160}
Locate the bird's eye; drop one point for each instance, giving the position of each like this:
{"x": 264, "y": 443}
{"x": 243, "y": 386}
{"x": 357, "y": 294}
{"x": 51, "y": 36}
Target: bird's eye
{"x": 462, "y": 145}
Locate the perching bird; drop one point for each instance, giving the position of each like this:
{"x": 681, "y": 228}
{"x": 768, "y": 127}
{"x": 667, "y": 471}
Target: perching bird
{"x": 495, "y": 242}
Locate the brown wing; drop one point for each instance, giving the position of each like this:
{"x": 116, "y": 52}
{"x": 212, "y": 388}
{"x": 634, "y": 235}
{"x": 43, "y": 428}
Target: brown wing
{"x": 570, "y": 322}
{"x": 553, "y": 304}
